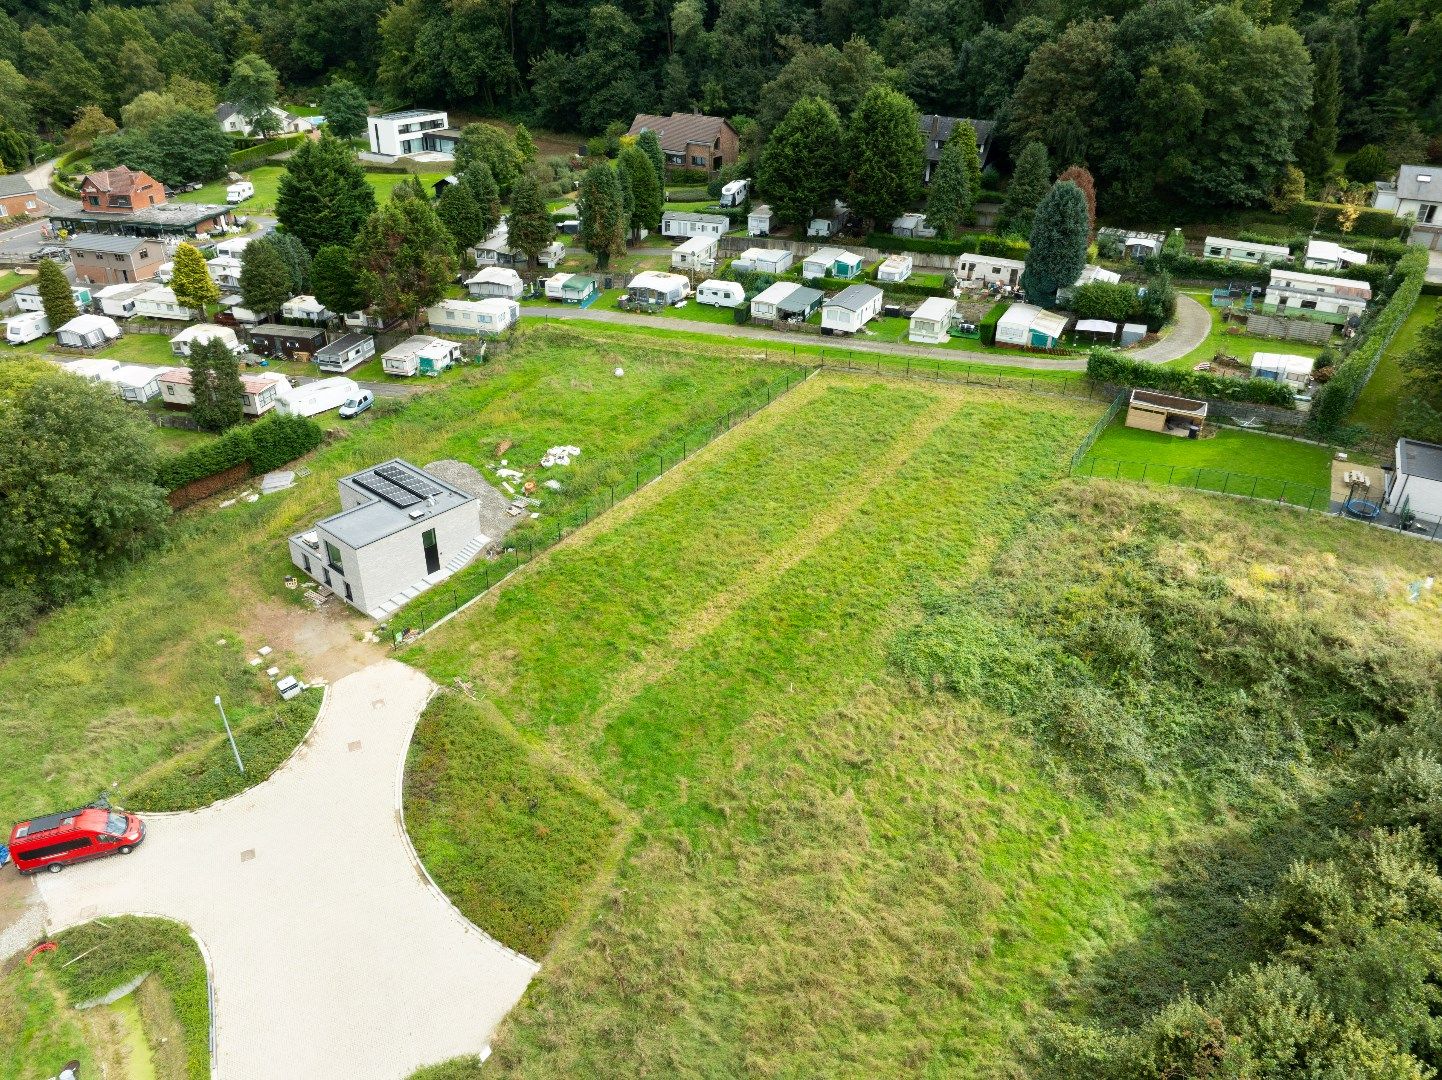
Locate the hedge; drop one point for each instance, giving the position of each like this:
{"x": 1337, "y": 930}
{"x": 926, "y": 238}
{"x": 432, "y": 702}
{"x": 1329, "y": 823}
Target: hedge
{"x": 687, "y": 194}
{"x": 254, "y": 155}
{"x": 989, "y": 321}
{"x": 1105, "y": 366}
{"x": 265, "y": 445}
{"x": 971, "y": 244}
{"x": 1378, "y": 223}
{"x": 1334, "y": 401}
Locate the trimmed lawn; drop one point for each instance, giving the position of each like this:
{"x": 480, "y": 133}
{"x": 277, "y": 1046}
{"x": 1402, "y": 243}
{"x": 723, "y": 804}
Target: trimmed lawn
{"x": 1242, "y": 346}
{"x": 266, "y": 179}
{"x": 1381, "y": 397}
{"x": 10, "y": 281}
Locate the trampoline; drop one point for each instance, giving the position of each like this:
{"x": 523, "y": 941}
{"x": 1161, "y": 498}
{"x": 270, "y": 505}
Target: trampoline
{"x": 1361, "y": 508}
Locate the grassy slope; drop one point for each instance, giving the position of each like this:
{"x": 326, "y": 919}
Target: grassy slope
{"x": 109, "y": 688}
{"x": 1242, "y": 346}
{"x": 823, "y": 878}
{"x": 1377, "y": 405}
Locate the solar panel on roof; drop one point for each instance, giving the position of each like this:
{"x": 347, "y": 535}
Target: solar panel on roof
{"x": 391, "y": 493}
{"x": 408, "y": 480}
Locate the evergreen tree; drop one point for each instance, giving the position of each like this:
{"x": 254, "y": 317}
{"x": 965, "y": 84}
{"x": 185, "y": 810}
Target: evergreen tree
{"x": 525, "y": 145}
{"x": 1315, "y": 150}
{"x": 801, "y": 164}
{"x": 1058, "y": 251}
{"x": 1423, "y": 362}
{"x": 650, "y": 144}
{"x": 1079, "y": 176}
{"x": 957, "y": 181}
{"x": 55, "y": 295}
{"x": 487, "y": 196}
{"x": 1290, "y": 189}
{"x": 253, "y": 89}
{"x": 461, "y": 215}
{"x": 345, "y": 109}
{"x": 628, "y": 198}
{"x": 264, "y": 278}
{"x": 191, "y": 281}
{"x": 334, "y": 281}
{"x": 603, "y": 218}
{"x": 886, "y": 151}
{"x": 647, "y": 201}
{"x": 1029, "y": 184}
{"x": 323, "y": 197}
{"x": 216, "y": 387}
{"x": 485, "y": 143}
{"x": 530, "y": 224}
{"x": 297, "y": 260}
{"x": 404, "y": 258}
{"x": 409, "y": 188}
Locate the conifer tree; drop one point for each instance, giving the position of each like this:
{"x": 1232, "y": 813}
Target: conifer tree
{"x": 603, "y": 218}
{"x": 191, "y": 281}
{"x": 530, "y": 226}
{"x": 1029, "y": 184}
{"x": 216, "y": 387}
{"x": 1058, "y": 252}
{"x": 55, "y": 295}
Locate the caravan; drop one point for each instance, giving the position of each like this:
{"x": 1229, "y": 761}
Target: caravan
{"x": 27, "y": 326}
{"x": 726, "y": 294}
{"x": 317, "y": 397}
{"x": 239, "y": 192}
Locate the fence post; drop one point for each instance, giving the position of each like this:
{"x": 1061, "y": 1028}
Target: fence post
{"x": 1253, "y": 493}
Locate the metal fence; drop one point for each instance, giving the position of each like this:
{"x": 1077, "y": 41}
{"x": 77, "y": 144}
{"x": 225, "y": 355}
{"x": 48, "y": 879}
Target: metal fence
{"x": 1200, "y": 478}
{"x": 1089, "y": 440}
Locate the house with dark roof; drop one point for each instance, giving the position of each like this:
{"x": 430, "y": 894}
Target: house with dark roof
{"x": 1415, "y": 193}
{"x": 1415, "y": 484}
{"x": 692, "y": 140}
{"x": 17, "y": 197}
{"x": 937, "y": 129}
{"x": 120, "y": 190}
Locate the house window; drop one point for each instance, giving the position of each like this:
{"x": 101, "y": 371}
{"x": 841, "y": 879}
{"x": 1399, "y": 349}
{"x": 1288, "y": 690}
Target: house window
{"x": 93, "y": 200}
{"x": 348, "y": 594}
{"x": 305, "y": 560}
{"x": 432, "y": 551}
{"x": 332, "y": 556}
{"x": 1427, "y": 213}
{"x": 698, "y": 160}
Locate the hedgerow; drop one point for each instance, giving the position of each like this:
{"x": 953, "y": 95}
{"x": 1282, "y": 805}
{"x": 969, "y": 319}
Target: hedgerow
{"x": 267, "y": 444}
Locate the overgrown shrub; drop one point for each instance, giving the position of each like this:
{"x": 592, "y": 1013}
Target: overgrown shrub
{"x": 254, "y": 155}
{"x": 1105, "y": 366}
{"x": 987, "y": 326}
{"x": 1104, "y": 300}
{"x": 265, "y": 445}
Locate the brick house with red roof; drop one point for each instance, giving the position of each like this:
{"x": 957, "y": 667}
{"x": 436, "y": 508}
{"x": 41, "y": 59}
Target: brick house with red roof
{"x": 120, "y": 191}
{"x": 692, "y": 140}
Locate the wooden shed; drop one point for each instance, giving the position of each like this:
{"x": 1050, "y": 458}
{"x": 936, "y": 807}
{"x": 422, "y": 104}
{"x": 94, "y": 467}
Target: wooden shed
{"x": 1151, "y": 411}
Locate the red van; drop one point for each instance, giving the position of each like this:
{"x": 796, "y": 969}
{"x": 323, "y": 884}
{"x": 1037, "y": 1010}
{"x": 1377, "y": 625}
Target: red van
{"x": 48, "y": 843}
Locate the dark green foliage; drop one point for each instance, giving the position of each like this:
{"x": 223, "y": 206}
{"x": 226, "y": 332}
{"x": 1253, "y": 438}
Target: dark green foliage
{"x": 529, "y": 226}
{"x": 988, "y": 322}
{"x": 182, "y": 148}
{"x": 215, "y": 386}
{"x": 253, "y": 89}
{"x": 265, "y": 278}
{"x": 884, "y": 154}
{"x": 1007, "y": 247}
{"x": 956, "y": 184}
{"x": 603, "y": 218}
{"x": 1314, "y": 152}
{"x": 1368, "y": 164}
{"x": 462, "y": 215}
{"x": 650, "y": 144}
{"x": 266, "y": 445}
{"x": 334, "y": 281}
{"x": 323, "y": 196}
{"x": 1029, "y": 185}
{"x": 261, "y": 152}
{"x": 1104, "y": 300}
{"x": 1159, "y": 305}
{"x": 345, "y": 109}
{"x": 404, "y": 258}
{"x": 802, "y": 163}
{"x": 295, "y": 257}
{"x": 55, "y": 295}
{"x": 1104, "y": 366}
{"x": 1423, "y": 362}
{"x": 646, "y": 202}
{"x": 1058, "y": 244}
{"x": 485, "y": 193}
{"x": 486, "y": 144}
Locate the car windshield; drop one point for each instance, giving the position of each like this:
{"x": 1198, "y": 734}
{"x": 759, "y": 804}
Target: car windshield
{"x": 115, "y": 825}
{"x": 352, "y": 403}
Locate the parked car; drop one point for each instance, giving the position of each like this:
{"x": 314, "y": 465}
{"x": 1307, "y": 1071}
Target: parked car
{"x": 69, "y": 836}
{"x": 357, "y": 404}
{"x": 59, "y": 254}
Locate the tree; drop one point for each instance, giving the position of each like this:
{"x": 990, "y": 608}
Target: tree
{"x": 184, "y": 147}
{"x": 264, "y": 278}
{"x": 1290, "y": 190}
{"x": 297, "y": 260}
{"x": 956, "y": 184}
{"x": 649, "y": 143}
{"x": 1060, "y": 99}
{"x": 489, "y": 145}
{"x": 886, "y": 152}
{"x": 487, "y": 196}
{"x": 647, "y": 202}
{"x": 1058, "y": 252}
{"x": 801, "y": 164}
{"x": 461, "y": 215}
{"x": 1368, "y": 164}
{"x": 90, "y": 124}
{"x": 525, "y": 145}
{"x": 1113, "y": 301}
{"x": 530, "y": 224}
{"x": 79, "y": 481}
{"x": 603, "y": 219}
{"x": 345, "y": 109}
{"x": 1030, "y": 182}
{"x": 1079, "y": 176}
{"x": 1315, "y": 150}
{"x": 404, "y": 258}
{"x": 253, "y": 89}
{"x": 147, "y": 109}
{"x": 219, "y": 397}
{"x": 323, "y": 197}
{"x": 190, "y": 279}
{"x": 334, "y": 281}
{"x": 1423, "y": 362}
{"x": 55, "y": 295}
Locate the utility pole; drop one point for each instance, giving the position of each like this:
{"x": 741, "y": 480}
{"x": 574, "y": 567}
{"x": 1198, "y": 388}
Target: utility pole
{"x": 233, "y": 749}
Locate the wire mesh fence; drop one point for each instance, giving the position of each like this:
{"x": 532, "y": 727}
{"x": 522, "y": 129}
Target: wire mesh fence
{"x": 1200, "y": 478}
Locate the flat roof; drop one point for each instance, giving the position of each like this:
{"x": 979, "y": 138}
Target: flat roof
{"x": 690, "y": 215}
{"x": 376, "y": 517}
{"x": 1169, "y": 402}
{"x": 109, "y": 243}
{"x": 409, "y": 114}
{"x": 174, "y": 215}
{"x": 800, "y": 299}
{"x": 775, "y": 293}
{"x": 271, "y": 329}
{"x": 1272, "y": 249}
{"x": 935, "y": 307}
{"x": 1417, "y": 458}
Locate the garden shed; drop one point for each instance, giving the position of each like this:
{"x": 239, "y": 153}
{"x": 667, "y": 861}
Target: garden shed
{"x": 1166, "y": 414}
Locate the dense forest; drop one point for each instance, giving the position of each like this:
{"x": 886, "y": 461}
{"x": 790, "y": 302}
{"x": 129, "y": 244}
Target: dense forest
{"x": 1165, "y": 101}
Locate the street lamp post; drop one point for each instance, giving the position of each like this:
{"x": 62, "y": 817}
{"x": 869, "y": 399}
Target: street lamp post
{"x": 233, "y": 749}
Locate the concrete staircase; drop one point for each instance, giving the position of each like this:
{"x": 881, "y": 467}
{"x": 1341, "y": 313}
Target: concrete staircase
{"x": 457, "y": 563}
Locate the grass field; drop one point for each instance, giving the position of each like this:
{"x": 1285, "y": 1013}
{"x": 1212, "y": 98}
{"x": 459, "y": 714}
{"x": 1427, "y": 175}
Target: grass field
{"x": 1377, "y": 406}
{"x": 10, "y": 281}
{"x": 1242, "y": 346}
{"x": 266, "y": 179}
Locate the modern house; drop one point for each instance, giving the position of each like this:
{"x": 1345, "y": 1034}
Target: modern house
{"x": 306, "y": 308}
{"x": 684, "y": 223}
{"x": 118, "y": 301}
{"x": 27, "y": 297}
{"x": 287, "y": 342}
{"x": 764, "y": 260}
{"x": 931, "y": 322}
{"x": 697, "y": 253}
{"x": 400, "y": 531}
{"x": 1166, "y": 414}
{"x": 657, "y": 287}
{"x": 894, "y": 268}
{"x": 490, "y": 317}
{"x": 412, "y": 131}
{"x": 344, "y": 353}
{"x": 260, "y": 392}
{"x": 1289, "y": 368}
{"x": 1415, "y": 485}
{"x": 200, "y": 334}
{"x": 1244, "y": 251}
{"x": 799, "y": 304}
{"x": 1315, "y": 296}
{"x": 17, "y": 197}
{"x": 1027, "y": 324}
{"x": 691, "y": 140}
{"x": 496, "y": 281}
{"x": 765, "y": 303}
{"x": 1416, "y": 194}
{"x": 571, "y": 288}
{"x": 160, "y": 303}
{"x": 937, "y": 129}
{"x": 758, "y": 221}
{"x": 912, "y": 224}
{"x": 831, "y": 262}
{"x": 1325, "y": 255}
{"x": 286, "y": 123}
{"x": 225, "y": 271}
{"x": 421, "y": 354}
{"x": 717, "y": 293}
{"x": 851, "y": 309}
{"x": 104, "y": 259}
{"x": 989, "y": 269}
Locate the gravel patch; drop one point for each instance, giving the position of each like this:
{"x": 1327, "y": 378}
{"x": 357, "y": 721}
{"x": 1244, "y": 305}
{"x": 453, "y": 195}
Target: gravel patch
{"x": 495, "y": 522}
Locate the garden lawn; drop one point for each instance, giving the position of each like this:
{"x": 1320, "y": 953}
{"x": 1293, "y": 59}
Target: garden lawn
{"x": 1242, "y": 346}
{"x": 266, "y": 179}
{"x": 109, "y": 688}
{"x": 823, "y": 872}
{"x": 10, "y": 281}
{"x": 1232, "y": 460}
{"x": 1380, "y": 399}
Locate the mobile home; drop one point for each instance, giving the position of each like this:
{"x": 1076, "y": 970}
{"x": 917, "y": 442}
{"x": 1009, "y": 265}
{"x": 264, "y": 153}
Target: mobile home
{"x": 201, "y": 333}
{"x": 1294, "y": 370}
{"x": 831, "y": 262}
{"x": 1027, "y": 324}
{"x": 570, "y": 288}
{"x": 499, "y": 281}
{"x": 135, "y": 382}
{"x": 27, "y": 326}
{"x": 758, "y": 221}
{"x": 306, "y": 309}
{"x": 799, "y": 304}
{"x": 421, "y": 354}
{"x": 764, "y": 304}
{"x": 1244, "y": 251}
{"x": 931, "y": 322}
{"x": 727, "y": 294}
{"x": 345, "y": 352}
{"x": 160, "y": 303}
{"x": 1315, "y": 296}
{"x": 988, "y": 270}
{"x": 27, "y": 297}
{"x": 490, "y": 316}
{"x": 1416, "y": 481}
{"x": 764, "y": 260}
{"x": 912, "y": 225}
{"x": 91, "y": 369}
{"x": 286, "y": 342}
{"x": 87, "y": 332}
{"x": 118, "y": 301}
{"x": 681, "y": 223}
{"x": 1325, "y": 255}
{"x": 697, "y": 253}
{"x": 851, "y": 309}
{"x": 894, "y": 268}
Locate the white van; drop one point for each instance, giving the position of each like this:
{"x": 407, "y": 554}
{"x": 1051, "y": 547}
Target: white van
{"x": 239, "y": 192}
{"x": 27, "y": 326}
{"x": 726, "y": 294}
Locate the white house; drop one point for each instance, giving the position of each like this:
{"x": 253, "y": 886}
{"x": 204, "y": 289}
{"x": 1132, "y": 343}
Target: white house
{"x": 1315, "y": 296}
{"x": 931, "y": 322}
{"x": 697, "y": 253}
{"x": 27, "y": 297}
{"x": 1244, "y": 251}
{"x": 1283, "y": 367}
{"x": 894, "y": 268}
{"x": 225, "y": 271}
{"x": 306, "y": 308}
{"x": 988, "y": 269}
{"x": 1416, "y": 194}
{"x": 852, "y": 308}
{"x": 831, "y": 262}
{"x": 912, "y": 224}
{"x": 1416, "y": 482}
{"x": 681, "y": 223}
{"x": 490, "y": 316}
{"x": 1027, "y": 324}
{"x": 118, "y": 301}
{"x": 1325, "y": 255}
{"x": 758, "y": 221}
{"x": 421, "y": 354}
{"x": 657, "y": 287}
{"x": 87, "y": 332}
{"x": 499, "y": 281}
{"x": 286, "y": 123}
{"x": 727, "y": 294}
{"x": 260, "y": 392}
{"x": 400, "y": 530}
{"x": 411, "y": 131}
{"x": 159, "y": 302}
{"x": 764, "y": 260}
{"x": 764, "y": 304}
{"x": 345, "y": 352}
{"x": 200, "y": 333}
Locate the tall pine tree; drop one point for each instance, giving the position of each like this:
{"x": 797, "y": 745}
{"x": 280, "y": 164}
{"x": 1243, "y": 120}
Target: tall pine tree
{"x": 603, "y": 218}
{"x": 647, "y": 201}
{"x": 461, "y": 215}
{"x": 216, "y": 387}
{"x": 886, "y": 152}
{"x": 264, "y": 278}
{"x": 486, "y": 194}
{"x": 335, "y": 282}
{"x": 323, "y": 197}
{"x": 1029, "y": 184}
{"x": 957, "y": 182}
{"x": 1315, "y": 150}
{"x": 1058, "y": 252}
{"x": 55, "y": 295}
{"x": 650, "y": 143}
{"x": 530, "y": 226}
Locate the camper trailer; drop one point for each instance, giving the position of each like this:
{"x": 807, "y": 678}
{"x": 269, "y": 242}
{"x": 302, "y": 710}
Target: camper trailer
{"x": 346, "y": 352}
{"x": 317, "y": 397}
{"x": 239, "y": 192}
{"x": 118, "y": 301}
{"x": 160, "y": 303}
{"x": 421, "y": 354}
{"x": 734, "y": 193}
{"x": 200, "y": 333}
{"x": 27, "y": 326}
{"x": 727, "y": 294}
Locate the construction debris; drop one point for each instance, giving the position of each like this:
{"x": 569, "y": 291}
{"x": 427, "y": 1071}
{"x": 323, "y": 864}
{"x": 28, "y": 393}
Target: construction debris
{"x": 554, "y": 485}
{"x": 560, "y": 455}
{"x": 279, "y": 480}
{"x": 510, "y": 474}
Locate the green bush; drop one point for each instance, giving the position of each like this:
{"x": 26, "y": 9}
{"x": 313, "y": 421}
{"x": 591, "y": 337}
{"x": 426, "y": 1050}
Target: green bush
{"x": 1378, "y": 223}
{"x": 971, "y": 244}
{"x": 989, "y": 321}
{"x": 254, "y": 155}
{"x": 268, "y": 444}
{"x": 1104, "y": 300}
{"x": 1105, "y": 366}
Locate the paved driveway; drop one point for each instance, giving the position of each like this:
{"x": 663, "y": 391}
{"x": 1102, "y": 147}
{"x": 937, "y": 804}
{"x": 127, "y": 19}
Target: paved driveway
{"x": 332, "y": 955}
